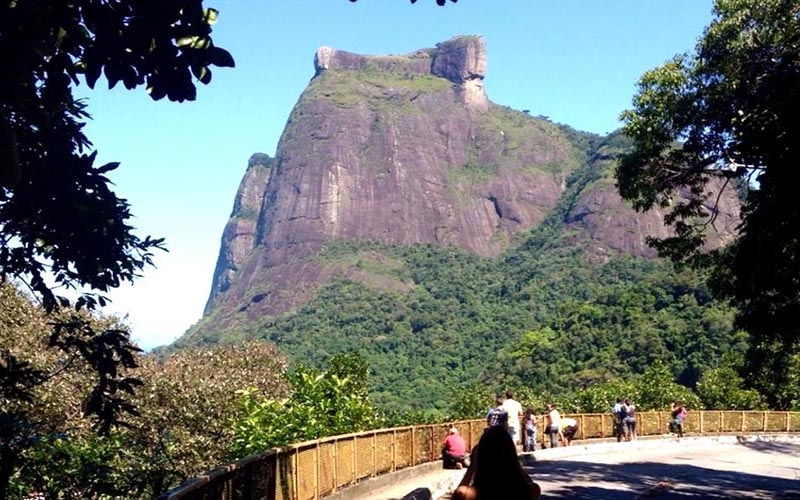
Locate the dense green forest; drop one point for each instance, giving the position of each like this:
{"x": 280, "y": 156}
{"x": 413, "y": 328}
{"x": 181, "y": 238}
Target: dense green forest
{"x": 546, "y": 320}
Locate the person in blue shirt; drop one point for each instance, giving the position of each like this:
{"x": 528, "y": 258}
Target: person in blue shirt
{"x": 497, "y": 416}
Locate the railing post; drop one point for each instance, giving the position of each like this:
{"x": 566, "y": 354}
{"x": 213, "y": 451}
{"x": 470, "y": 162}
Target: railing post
{"x": 296, "y": 474}
{"x": 603, "y": 425}
{"x": 374, "y": 453}
{"x": 335, "y": 466}
{"x": 393, "y": 467}
{"x": 413, "y": 446}
{"x": 430, "y": 435}
{"x": 354, "y": 473}
{"x": 316, "y": 470}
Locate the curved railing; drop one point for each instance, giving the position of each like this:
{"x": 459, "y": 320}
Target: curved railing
{"x": 319, "y": 468}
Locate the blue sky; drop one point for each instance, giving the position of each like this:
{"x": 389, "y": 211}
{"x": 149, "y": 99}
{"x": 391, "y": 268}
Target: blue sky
{"x": 574, "y": 61}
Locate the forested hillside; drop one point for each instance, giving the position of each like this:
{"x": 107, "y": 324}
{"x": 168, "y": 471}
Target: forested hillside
{"x": 554, "y": 313}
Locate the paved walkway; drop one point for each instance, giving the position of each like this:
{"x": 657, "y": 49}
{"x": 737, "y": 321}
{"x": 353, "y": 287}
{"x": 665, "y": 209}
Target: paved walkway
{"x": 697, "y": 468}
{"x": 722, "y": 467}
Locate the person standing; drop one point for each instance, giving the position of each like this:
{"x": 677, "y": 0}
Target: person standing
{"x": 530, "y": 430}
{"x": 454, "y": 450}
{"x": 553, "y": 425}
{"x": 618, "y": 410}
{"x": 513, "y": 409}
{"x": 630, "y": 420}
{"x": 678, "y": 414}
{"x": 497, "y": 416}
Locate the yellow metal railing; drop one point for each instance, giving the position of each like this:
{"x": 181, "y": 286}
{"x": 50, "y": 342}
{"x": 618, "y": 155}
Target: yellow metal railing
{"x": 315, "y": 469}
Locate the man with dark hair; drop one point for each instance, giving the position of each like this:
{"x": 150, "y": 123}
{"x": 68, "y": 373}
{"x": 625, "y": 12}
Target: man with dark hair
{"x": 497, "y": 415}
{"x": 553, "y": 424}
{"x": 619, "y": 412}
{"x": 678, "y": 415}
{"x": 514, "y": 411}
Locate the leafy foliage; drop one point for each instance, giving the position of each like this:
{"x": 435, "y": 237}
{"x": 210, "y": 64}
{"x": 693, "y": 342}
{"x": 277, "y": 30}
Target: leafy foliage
{"x": 322, "y": 403}
{"x": 43, "y": 390}
{"x": 722, "y": 388}
{"x": 464, "y": 320}
{"x": 62, "y": 227}
{"x": 183, "y": 412}
{"x": 185, "y": 406}
{"x": 729, "y": 111}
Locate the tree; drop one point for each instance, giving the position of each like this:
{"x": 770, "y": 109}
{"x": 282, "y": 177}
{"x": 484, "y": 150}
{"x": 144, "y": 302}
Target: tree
{"x": 729, "y": 111}
{"x": 62, "y": 226}
{"x": 322, "y": 403}
{"x": 721, "y": 388}
{"x": 40, "y": 388}
{"x": 185, "y": 404}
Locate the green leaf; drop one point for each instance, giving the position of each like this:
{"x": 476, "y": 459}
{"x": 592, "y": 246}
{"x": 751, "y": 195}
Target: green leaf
{"x": 211, "y": 16}
{"x": 202, "y": 73}
{"x": 92, "y": 73}
{"x": 220, "y": 57}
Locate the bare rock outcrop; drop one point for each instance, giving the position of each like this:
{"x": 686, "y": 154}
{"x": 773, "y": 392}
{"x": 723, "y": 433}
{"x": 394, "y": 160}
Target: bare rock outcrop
{"x": 403, "y": 150}
{"x": 238, "y": 237}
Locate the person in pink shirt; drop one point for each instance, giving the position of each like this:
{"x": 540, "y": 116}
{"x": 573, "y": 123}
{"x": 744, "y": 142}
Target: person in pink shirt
{"x": 454, "y": 450}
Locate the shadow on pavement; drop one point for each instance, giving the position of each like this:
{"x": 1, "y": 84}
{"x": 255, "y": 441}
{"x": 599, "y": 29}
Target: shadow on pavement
{"x": 772, "y": 447}
{"x": 577, "y": 479}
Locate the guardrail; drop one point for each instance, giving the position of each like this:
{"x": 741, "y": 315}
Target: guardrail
{"x": 315, "y": 469}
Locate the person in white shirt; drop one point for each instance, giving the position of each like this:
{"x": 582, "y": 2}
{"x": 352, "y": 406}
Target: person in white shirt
{"x": 513, "y": 409}
{"x": 553, "y": 425}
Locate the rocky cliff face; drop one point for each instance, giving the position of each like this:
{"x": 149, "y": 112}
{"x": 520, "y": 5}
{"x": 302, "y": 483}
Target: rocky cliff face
{"x": 238, "y": 238}
{"x": 402, "y": 150}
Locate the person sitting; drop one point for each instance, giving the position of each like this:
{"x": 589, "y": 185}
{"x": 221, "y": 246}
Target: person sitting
{"x": 454, "y": 450}
{"x": 495, "y": 472}
{"x": 569, "y": 426}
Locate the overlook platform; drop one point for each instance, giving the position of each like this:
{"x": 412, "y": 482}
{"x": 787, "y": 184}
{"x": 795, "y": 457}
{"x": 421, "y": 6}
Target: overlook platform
{"x": 708, "y": 467}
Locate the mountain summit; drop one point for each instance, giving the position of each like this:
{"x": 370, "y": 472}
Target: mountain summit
{"x": 408, "y": 149}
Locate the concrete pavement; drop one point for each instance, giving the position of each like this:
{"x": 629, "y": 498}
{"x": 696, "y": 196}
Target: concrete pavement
{"x": 724, "y": 467}
{"x": 712, "y": 467}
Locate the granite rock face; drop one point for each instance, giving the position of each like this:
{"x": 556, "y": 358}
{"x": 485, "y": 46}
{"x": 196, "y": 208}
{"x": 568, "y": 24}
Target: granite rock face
{"x": 403, "y": 150}
{"x": 239, "y": 235}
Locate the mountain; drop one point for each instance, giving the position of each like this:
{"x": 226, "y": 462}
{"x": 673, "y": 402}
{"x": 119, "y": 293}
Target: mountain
{"x": 389, "y": 168}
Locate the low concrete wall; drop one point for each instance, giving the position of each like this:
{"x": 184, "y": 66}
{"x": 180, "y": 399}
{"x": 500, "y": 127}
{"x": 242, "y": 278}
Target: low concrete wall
{"x": 430, "y": 481}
